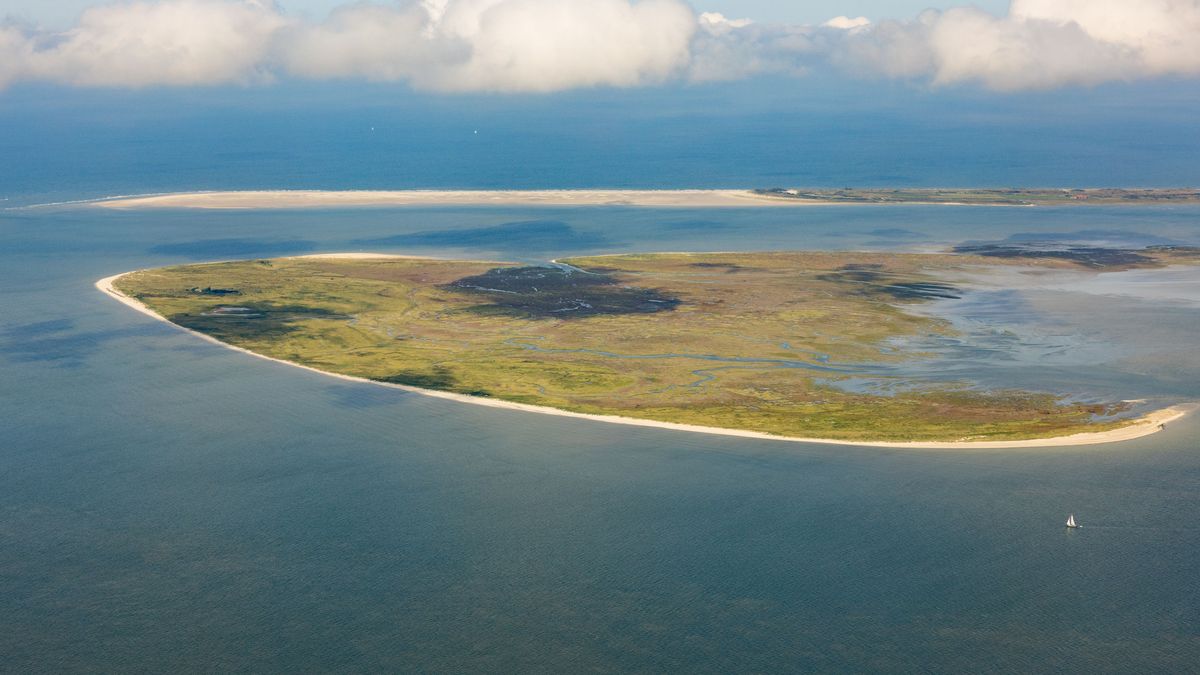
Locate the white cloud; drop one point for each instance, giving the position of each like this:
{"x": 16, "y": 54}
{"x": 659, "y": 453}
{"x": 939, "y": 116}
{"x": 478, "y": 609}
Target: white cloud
{"x": 362, "y": 40}
{"x": 15, "y": 51}
{"x": 1040, "y": 44}
{"x": 890, "y": 48}
{"x": 715, "y": 22}
{"x": 456, "y": 45}
{"x": 551, "y": 45}
{"x": 1163, "y": 35}
{"x": 181, "y": 42}
{"x": 731, "y": 50}
{"x": 970, "y": 45}
{"x": 846, "y": 23}
{"x": 497, "y": 45}
{"x": 547, "y": 45}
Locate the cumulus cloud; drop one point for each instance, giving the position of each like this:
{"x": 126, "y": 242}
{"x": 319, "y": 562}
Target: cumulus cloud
{"x": 551, "y": 45}
{"x": 368, "y": 41}
{"x": 1164, "y": 35}
{"x": 14, "y": 53}
{"x": 730, "y": 49}
{"x": 846, "y": 23}
{"x": 715, "y": 22}
{"x": 1039, "y": 44}
{"x": 181, "y": 42}
{"x": 545, "y": 45}
{"x": 455, "y": 45}
{"x": 498, "y": 45}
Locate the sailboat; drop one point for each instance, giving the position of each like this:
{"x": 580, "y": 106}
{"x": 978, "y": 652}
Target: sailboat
{"x": 1071, "y": 521}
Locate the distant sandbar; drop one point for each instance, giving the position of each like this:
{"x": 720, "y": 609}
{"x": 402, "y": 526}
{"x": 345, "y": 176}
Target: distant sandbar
{"x": 284, "y": 199}
{"x": 290, "y": 199}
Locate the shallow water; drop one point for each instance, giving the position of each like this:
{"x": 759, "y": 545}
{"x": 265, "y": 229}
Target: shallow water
{"x": 169, "y": 504}
{"x": 1128, "y": 334}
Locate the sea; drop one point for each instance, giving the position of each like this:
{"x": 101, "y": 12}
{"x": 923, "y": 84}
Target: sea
{"x": 167, "y": 505}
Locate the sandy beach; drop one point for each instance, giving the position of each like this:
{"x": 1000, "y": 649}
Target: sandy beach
{"x": 1150, "y": 423}
{"x": 291, "y": 199}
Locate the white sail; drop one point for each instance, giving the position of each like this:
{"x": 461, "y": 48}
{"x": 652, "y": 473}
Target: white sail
{"x": 1071, "y": 520}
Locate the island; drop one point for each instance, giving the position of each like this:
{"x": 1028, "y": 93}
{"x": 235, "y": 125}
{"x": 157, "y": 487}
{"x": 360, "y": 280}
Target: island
{"x": 695, "y": 198}
{"x": 985, "y": 196}
{"x": 769, "y": 344}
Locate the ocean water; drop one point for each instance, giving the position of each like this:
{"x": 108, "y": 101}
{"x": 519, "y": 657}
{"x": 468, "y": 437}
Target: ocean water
{"x": 171, "y": 505}
{"x": 61, "y": 144}
{"x": 168, "y": 505}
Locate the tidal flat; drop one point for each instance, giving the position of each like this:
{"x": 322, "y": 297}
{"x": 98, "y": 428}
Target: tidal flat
{"x": 767, "y": 343}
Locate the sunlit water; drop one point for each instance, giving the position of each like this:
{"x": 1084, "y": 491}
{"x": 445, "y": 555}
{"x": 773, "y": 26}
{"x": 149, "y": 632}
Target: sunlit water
{"x": 168, "y": 504}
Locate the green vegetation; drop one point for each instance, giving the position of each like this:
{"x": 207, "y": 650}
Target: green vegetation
{"x": 1012, "y": 196}
{"x": 756, "y": 341}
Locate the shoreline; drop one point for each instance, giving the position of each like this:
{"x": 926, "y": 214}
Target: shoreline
{"x": 1149, "y": 423}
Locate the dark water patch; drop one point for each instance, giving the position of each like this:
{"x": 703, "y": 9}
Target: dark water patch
{"x": 921, "y": 290}
{"x": 36, "y": 329}
{"x": 1100, "y": 238}
{"x": 873, "y": 281}
{"x": 697, "y": 225}
{"x": 528, "y": 235}
{"x": 1097, "y": 248}
{"x": 233, "y": 248}
{"x": 1087, "y": 256}
{"x": 557, "y": 293}
{"x": 894, "y": 233}
{"x": 255, "y": 320}
{"x": 361, "y": 397}
{"x": 57, "y": 342}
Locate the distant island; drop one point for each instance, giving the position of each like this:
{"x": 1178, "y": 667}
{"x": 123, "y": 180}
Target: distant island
{"x": 796, "y": 345}
{"x": 988, "y": 197}
{"x": 774, "y": 197}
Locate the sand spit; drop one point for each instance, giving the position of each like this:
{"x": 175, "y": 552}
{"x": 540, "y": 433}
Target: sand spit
{"x": 1149, "y": 424}
{"x": 291, "y": 199}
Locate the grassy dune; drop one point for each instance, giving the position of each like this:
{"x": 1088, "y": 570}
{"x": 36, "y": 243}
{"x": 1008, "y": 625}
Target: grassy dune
{"x": 744, "y": 341}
